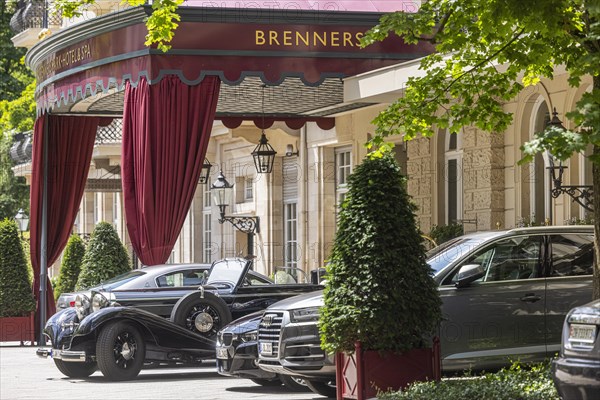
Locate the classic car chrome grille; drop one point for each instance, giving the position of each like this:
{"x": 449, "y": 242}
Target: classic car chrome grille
{"x": 269, "y": 331}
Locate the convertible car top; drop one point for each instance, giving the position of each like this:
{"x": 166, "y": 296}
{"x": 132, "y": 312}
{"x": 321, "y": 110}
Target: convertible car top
{"x": 115, "y": 331}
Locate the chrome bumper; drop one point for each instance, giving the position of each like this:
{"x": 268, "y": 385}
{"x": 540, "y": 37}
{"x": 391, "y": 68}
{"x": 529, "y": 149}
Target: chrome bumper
{"x": 65, "y": 355}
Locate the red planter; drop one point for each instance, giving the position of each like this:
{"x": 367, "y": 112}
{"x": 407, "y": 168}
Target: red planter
{"x": 17, "y": 329}
{"x": 361, "y": 375}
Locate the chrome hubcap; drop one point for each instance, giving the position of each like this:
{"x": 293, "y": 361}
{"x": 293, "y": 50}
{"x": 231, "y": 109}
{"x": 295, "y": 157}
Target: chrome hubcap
{"x": 203, "y": 322}
{"x": 126, "y": 351}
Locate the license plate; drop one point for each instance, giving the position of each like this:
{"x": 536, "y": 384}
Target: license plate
{"x": 222, "y": 353}
{"x": 582, "y": 333}
{"x": 266, "y": 348}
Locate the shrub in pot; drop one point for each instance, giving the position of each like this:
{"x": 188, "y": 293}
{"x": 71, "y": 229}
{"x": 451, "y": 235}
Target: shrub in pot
{"x": 70, "y": 266}
{"x": 105, "y": 257}
{"x": 16, "y": 296}
{"x": 380, "y": 297}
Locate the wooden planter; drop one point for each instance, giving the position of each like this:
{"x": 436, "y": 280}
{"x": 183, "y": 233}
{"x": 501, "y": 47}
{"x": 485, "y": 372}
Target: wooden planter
{"x": 361, "y": 375}
{"x": 17, "y": 329}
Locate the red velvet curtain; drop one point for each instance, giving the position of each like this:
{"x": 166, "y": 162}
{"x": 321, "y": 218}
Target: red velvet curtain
{"x": 166, "y": 128}
{"x": 70, "y": 144}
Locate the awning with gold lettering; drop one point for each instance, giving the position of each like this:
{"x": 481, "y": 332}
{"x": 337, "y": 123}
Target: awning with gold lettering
{"x": 301, "y": 57}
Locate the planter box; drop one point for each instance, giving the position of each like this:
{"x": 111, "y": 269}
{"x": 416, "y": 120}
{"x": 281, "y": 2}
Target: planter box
{"x": 361, "y": 375}
{"x": 17, "y": 329}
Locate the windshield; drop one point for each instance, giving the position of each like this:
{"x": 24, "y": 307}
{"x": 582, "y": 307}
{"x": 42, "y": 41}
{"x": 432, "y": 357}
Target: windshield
{"x": 448, "y": 252}
{"x": 119, "y": 280}
{"x": 226, "y": 271}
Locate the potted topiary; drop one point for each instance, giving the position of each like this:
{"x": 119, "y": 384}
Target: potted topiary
{"x": 70, "y": 266}
{"x": 105, "y": 257}
{"x": 16, "y": 296}
{"x": 382, "y": 307}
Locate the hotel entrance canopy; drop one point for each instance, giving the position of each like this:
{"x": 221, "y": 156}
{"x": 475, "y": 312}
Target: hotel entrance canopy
{"x": 302, "y": 55}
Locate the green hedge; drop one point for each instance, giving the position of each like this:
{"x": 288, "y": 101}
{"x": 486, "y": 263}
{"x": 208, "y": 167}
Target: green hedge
{"x": 105, "y": 257}
{"x": 16, "y": 295}
{"x": 70, "y": 266}
{"x": 519, "y": 382}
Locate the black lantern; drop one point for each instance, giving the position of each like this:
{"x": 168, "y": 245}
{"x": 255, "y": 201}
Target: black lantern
{"x": 222, "y": 191}
{"x": 205, "y": 172}
{"x": 264, "y": 153}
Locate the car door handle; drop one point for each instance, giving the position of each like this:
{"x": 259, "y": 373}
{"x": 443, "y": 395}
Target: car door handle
{"x": 531, "y": 298}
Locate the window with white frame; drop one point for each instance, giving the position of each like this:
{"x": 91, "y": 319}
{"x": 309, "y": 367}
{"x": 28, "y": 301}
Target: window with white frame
{"x": 453, "y": 177}
{"x": 343, "y": 169}
{"x": 206, "y": 227}
{"x": 248, "y": 188}
{"x": 290, "y": 234}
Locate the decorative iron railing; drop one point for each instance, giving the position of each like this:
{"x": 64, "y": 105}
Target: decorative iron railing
{"x": 34, "y": 14}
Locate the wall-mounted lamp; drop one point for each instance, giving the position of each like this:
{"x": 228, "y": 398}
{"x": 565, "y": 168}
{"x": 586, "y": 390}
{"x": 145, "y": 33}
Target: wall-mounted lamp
{"x": 581, "y": 194}
{"x": 222, "y": 192}
{"x": 289, "y": 151}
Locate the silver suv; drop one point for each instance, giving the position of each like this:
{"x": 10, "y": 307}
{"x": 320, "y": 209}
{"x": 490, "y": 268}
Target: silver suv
{"x": 505, "y": 296}
{"x": 289, "y": 343}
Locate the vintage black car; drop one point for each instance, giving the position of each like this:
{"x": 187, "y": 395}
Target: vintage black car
{"x": 101, "y": 332}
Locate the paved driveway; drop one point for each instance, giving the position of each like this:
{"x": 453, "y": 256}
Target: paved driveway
{"x": 25, "y": 376}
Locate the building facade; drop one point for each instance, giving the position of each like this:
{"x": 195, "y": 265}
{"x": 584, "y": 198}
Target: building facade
{"x": 472, "y": 178}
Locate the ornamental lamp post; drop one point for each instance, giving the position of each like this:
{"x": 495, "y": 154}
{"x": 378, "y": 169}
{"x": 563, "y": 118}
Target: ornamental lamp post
{"x": 22, "y": 220}
{"x": 222, "y": 191}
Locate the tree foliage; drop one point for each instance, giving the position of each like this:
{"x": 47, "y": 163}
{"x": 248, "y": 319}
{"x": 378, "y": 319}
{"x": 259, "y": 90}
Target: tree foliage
{"x": 17, "y": 113}
{"x": 70, "y": 266}
{"x": 487, "y": 51}
{"x": 16, "y": 296}
{"x": 14, "y": 75}
{"x": 379, "y": 288}
{"x": 161, "y": 24}
{"x": 105, "y": 257}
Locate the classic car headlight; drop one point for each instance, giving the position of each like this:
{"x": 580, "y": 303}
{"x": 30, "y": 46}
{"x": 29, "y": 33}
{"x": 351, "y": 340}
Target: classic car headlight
{"x": 305, "y": 314}
{"x": 99, "y": 301}
{"x": 251, "y": 336}
{"x": 82, "y": 306}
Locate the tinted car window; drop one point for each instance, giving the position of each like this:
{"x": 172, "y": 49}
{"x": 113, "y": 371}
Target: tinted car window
{"x": 507, "y": 259}
{"x": 572, "y": 254}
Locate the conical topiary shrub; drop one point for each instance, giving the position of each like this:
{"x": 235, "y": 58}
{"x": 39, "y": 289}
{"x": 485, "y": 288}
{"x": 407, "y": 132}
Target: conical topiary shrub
{"x": 16, "y": 295}
{"x": 70, "y": 266}
{"x": 105, "y": 257}
{"x": 379, "y": 291}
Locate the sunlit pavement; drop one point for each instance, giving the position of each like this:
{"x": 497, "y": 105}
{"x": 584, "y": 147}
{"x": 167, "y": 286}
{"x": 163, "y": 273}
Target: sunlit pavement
{"x": 25, "y": 376}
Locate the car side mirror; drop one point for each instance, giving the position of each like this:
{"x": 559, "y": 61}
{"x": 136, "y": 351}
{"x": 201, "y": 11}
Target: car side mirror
{"x": 469, "y": 273}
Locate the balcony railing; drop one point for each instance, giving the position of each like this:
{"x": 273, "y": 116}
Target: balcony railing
{"x": 34, "y": 14}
